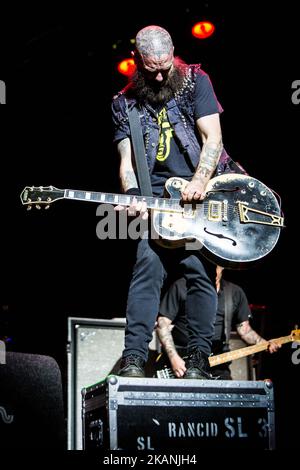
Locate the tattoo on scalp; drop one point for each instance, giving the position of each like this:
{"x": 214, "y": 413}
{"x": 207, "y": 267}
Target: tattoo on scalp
{"x": 154, "y": 41}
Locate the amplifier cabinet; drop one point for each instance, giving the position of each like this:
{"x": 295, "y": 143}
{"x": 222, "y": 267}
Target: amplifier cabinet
{"x": 95, "y": 347}
{"x": 94, "y": 350}
{"x": 175, "y": 414}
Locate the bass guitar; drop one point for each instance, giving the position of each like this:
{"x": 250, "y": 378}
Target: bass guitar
{"x": 167, "y": 373}
{"x": 243, "y": 352}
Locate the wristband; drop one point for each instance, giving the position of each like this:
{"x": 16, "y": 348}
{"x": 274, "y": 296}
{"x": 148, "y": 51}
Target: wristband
{"x": 133, "y": 192}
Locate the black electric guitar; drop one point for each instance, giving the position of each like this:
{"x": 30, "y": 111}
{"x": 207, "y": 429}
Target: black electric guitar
{"x": 237, "y": 223}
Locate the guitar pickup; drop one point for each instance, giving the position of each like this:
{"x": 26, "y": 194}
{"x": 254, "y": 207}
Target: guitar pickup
{"x": 255, "y": 216}
{"x": 218, "y": 211}
{"x": 214, "y": 211}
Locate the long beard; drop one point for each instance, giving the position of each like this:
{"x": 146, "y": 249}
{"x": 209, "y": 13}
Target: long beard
{"x": 158, "y": 93}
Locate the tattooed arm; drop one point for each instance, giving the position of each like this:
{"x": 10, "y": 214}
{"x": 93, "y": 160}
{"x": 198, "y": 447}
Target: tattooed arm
{"x": 251, "y": 337}
{"x": 248, "y": 334}
{"x": 128, "y": 179}
{"x": 127, "y": 175}
{"x": 164, "y": 328}
{"x": 210, "y": 131}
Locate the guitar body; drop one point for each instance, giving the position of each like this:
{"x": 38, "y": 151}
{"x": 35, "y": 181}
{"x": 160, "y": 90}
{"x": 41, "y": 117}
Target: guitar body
{"x": 163, "y": 368}
{"x": 238, "y": 222}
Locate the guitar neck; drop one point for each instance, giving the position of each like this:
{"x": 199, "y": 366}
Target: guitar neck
{"x": 122, "y": 199}
{"x": 238, "y": 353}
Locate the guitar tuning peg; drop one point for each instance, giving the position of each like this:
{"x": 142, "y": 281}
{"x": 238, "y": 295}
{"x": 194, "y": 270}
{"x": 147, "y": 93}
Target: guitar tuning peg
{"x": 38, "y": 206}
{"x": 47, "y": 207}
{"x": 29, "y": 208}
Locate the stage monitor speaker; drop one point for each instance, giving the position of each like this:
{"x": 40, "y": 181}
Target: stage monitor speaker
{"x": 31, "y": 403}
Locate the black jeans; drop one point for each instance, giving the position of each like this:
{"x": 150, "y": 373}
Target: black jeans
{"x": 152, "y": 266}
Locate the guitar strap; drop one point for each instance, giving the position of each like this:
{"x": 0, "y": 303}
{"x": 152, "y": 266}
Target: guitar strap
{"x": 228, "y": 308}
{"x": 139, "y": 151}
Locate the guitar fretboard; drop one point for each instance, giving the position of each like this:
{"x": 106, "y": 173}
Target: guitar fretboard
{"x": 237, "y": 354}
{"x": 123, "y": 199}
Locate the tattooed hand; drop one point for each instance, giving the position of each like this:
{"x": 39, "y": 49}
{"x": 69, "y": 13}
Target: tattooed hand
{"x": 195, "y": 190}
{"x": 178, "y": 365}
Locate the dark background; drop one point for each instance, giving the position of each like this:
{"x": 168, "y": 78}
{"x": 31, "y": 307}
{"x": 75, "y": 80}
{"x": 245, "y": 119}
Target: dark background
{"x": 60, "y": 72}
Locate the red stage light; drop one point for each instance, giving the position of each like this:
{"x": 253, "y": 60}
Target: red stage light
{"x": 203, "y": 29}
{"x": 126, "y": 67}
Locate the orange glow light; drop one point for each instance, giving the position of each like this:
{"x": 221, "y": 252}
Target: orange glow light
{"x": 203, "y": 29}
{"x": 126, "y": 67}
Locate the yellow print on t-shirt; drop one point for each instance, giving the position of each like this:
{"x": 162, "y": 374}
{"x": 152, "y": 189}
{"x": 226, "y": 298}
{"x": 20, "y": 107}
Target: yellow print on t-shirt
{"x": 165, "y": 136}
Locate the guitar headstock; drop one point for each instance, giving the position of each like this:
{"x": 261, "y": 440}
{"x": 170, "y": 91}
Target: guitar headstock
{"x": 40, "y": 196}
{"x": 295, "y": 334}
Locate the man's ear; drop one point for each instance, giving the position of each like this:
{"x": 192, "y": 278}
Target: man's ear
{"x": 136, "y": 57}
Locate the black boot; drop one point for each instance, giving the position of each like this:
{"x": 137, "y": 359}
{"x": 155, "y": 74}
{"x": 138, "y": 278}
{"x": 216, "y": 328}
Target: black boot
{"x": 132, "y": 366}
{"x": 197, "y": 366}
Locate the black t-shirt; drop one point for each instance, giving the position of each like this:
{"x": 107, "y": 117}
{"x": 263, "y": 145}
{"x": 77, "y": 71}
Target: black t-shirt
{"x": 173, "y": 307}
{"x": 171, "y": 160}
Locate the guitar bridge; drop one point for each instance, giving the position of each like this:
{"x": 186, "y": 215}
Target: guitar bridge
{"x": 255, "y": 216}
